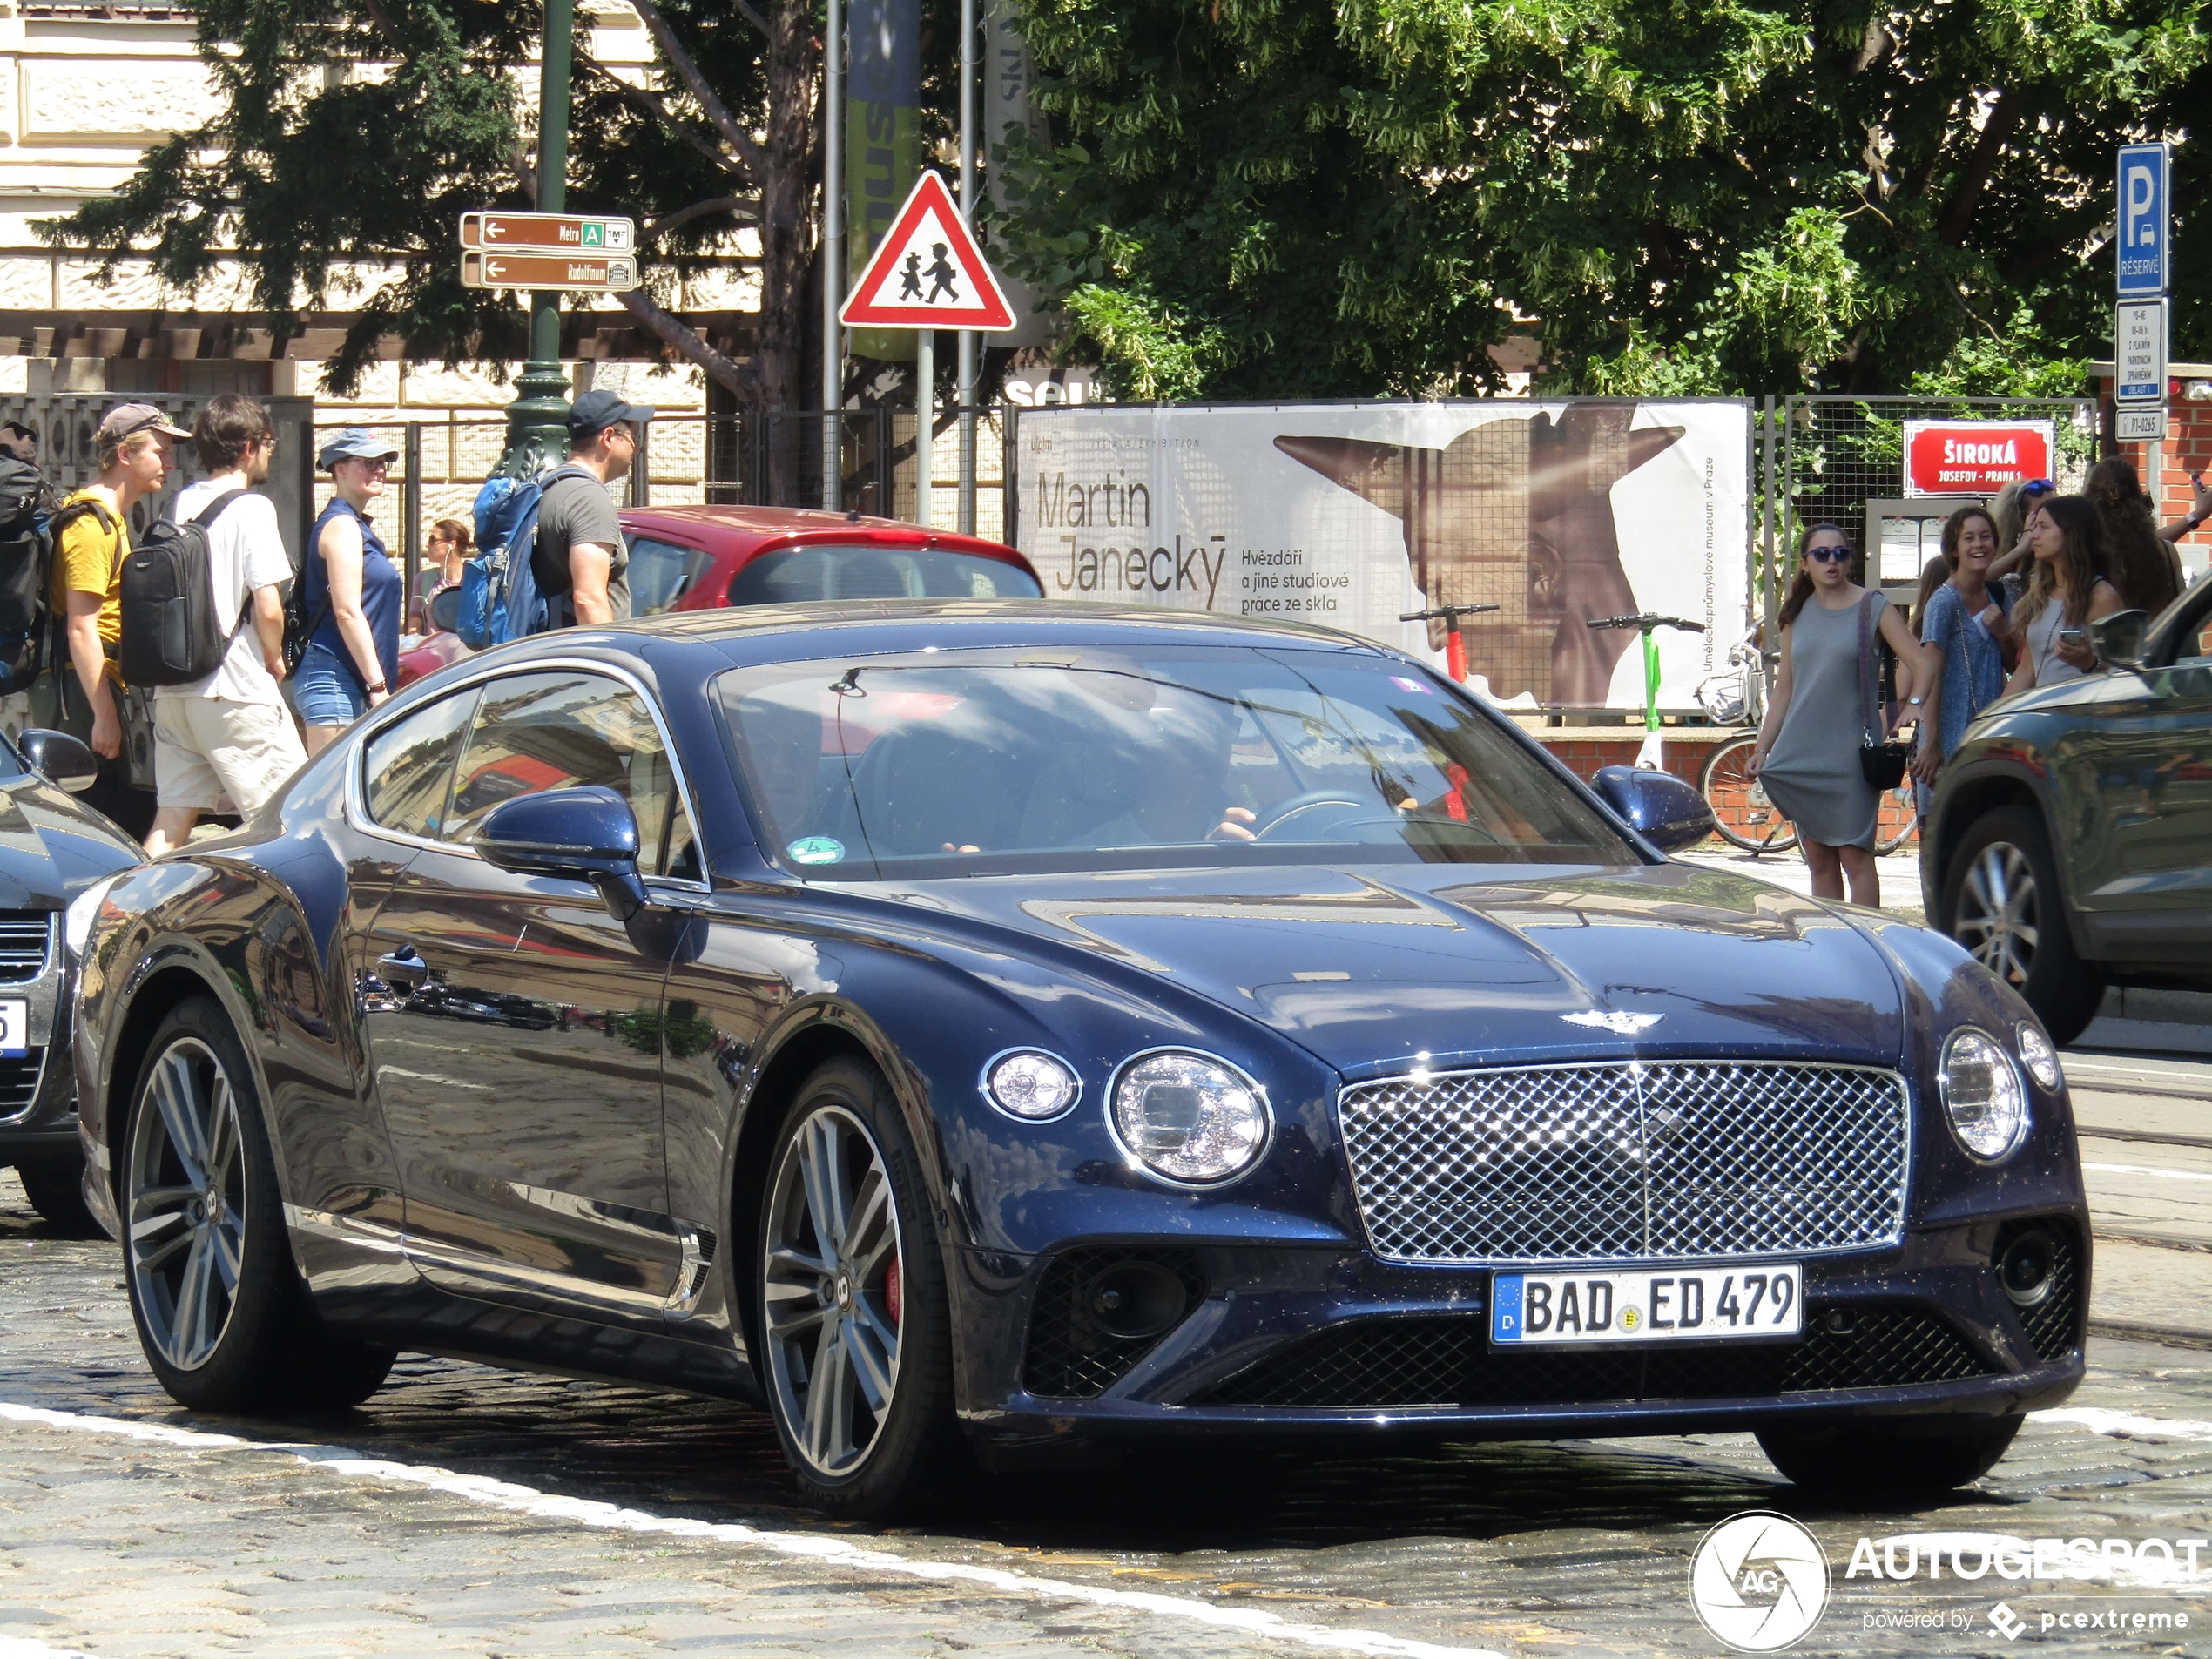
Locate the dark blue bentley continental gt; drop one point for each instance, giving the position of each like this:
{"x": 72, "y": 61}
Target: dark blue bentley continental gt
{"x": 1006, "y": 1030}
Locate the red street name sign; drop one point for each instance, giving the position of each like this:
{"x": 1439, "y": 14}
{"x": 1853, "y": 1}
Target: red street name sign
{"x": 1975, "y": 457}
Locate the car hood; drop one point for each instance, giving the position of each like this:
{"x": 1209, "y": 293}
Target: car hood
{"x": 52, "y": 846}
{"x": 1369, "y": 966}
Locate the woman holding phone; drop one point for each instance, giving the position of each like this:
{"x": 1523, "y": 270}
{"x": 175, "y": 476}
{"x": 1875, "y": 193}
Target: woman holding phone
{"x": 1807, "y": 751}
{"x": 2067, "y": 591}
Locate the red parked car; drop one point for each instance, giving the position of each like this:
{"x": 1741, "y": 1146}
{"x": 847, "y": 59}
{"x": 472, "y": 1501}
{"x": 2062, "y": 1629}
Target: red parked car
{"x": 698, "y": 558}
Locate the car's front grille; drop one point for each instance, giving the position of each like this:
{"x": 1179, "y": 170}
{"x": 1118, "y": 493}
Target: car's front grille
{"x": 19, "y": 1083}
{"x": 24, "y": 938}
{"x": 1629, "y": 1160}
{"x": 1448, "y": 1362}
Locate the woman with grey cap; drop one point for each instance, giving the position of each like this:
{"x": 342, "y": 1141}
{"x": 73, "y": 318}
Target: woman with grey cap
{"x": 353, "y": 595}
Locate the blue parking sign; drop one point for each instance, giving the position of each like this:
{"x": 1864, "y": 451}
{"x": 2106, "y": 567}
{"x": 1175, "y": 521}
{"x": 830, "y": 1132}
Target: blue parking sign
{"x": 2140, "y": 241}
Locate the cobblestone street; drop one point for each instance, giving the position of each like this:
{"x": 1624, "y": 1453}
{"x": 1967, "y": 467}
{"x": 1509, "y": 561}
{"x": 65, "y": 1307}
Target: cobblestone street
{"x": 468, "y": 1510}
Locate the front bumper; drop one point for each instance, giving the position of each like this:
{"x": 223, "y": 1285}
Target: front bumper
{"x": 38, "y": 1093}
{"x": 1314, "y": 1341}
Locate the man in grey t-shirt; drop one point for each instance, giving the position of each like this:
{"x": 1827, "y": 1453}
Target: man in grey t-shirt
{"x": 582, "y": 563}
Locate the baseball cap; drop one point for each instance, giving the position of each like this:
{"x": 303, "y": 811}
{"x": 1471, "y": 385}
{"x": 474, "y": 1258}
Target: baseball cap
{"x": 596, "y": 411}
{"x": 125, "y": 419}
{"x": 358, "y": 442}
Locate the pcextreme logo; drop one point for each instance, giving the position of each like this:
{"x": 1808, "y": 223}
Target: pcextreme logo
{"x": 1758, "y": 1582}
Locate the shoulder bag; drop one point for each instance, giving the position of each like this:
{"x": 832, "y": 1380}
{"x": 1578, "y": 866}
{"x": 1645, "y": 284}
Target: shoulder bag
{"x": 1882, "y": 764}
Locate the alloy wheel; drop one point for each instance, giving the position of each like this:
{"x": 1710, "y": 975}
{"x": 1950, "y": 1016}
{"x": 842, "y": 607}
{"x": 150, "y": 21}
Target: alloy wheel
{"x": 186, "y": 1216}
{"x": 830, "y": 1293}
{"x": 1998, "y": 913}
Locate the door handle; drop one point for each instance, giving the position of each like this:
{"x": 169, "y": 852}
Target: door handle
{"x": 403, "y": 970}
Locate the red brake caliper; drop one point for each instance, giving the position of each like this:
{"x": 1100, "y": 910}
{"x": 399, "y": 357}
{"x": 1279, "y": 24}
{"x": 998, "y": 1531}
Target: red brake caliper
{"x": 891, "y": 1290}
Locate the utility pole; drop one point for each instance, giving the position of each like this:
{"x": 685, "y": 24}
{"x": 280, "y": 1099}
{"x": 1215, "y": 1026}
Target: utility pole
{"x": 833, "y": 255}
{"x": 969, "y": 67}
{"x": 538, "y": 421}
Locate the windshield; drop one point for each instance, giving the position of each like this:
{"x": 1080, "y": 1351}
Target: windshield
{"x": 796, "y": 575}
{"x": 973, "y": 763}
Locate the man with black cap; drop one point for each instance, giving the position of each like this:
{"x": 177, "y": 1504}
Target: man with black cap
{"x": 582, "y": 563}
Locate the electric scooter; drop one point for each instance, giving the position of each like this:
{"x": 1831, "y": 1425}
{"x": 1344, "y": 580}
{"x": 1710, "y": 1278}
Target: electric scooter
{"x": 1455, "y": 644}
{"x": 1650, "y": 756}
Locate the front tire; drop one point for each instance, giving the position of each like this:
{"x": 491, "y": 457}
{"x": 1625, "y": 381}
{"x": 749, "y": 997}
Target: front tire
{"x": 221, "y": 1312}
{"x": 1884, "y": 1458}
{"x": 2002, "y": 900}
{"x": 54, "y": 1187}
{"x": 855, "y": 1329}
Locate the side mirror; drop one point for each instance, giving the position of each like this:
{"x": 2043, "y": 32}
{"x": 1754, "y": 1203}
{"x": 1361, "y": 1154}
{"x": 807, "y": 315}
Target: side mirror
{"x": 1659, "y": 806}
{"x": 587, "y": 834}
{"x": 2118, "y": 640}
{"x": 445, "y": 609}
{"x": 61, "y": 760}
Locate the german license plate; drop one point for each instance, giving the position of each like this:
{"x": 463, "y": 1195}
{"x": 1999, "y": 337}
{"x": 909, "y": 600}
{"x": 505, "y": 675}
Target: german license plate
{"x": 15, "y": 1029}
{"x": 1655, "y": 1304}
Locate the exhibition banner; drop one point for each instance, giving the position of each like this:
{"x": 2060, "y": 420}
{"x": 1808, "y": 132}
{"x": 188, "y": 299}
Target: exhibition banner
{"x": 1352, "y": 514}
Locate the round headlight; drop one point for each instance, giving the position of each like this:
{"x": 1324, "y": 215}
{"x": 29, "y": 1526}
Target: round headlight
{"x": 2041, "y": 1059}
{"x": 1030, "y": 1083}
{"x": 1189, "y": 1117}
{"x": 1982, "y": 1095}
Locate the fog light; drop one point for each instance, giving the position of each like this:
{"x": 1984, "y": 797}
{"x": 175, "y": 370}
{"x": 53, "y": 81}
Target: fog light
{"x": 1138, "y": 1300}
{"x": 2028, "y": 1268}
{"x": 1983, "y": 1095}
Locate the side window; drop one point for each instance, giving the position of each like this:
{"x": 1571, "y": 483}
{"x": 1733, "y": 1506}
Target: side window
{"x": 661, "y": 573}
{"x": 560, "y": 729}
{"x": 406, "y": 767}
{"x": 681, "y": 858}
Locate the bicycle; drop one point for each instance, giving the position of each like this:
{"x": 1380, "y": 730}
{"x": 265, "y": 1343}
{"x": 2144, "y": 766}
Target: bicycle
{"x": 1743, "y": 813}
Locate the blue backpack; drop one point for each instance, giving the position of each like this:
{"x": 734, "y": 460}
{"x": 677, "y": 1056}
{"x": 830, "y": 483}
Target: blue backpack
{"x": 500, "y": 598}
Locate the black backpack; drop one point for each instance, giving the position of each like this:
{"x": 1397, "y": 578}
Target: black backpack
{"x": 172, "y": 634}
{"x": 26, "y": 568}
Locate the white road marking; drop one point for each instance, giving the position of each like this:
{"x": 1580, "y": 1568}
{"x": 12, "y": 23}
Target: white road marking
{"x": 2144, "y": 1169}
{"x": 2126, "y": 1424}
{"x": 815, "y": 1547}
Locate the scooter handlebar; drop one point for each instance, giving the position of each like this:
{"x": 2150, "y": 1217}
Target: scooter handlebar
{"x": 1646, "y": 621}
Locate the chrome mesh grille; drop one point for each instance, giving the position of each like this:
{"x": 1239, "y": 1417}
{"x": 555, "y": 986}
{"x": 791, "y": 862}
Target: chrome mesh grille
{"x": 23, "y": 935}
{"x": 1625, "y": 1160}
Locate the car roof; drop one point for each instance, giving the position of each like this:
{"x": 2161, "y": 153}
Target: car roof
{"x": 743, "y": 529}
{"x": 751, "y": 634}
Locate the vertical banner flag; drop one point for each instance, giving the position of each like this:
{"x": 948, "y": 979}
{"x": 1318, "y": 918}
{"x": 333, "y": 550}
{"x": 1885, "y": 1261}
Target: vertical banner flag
{"x": 1352, "y": 514}
{"x": 1009, "y": 71}
{"x": 882, "y": 142}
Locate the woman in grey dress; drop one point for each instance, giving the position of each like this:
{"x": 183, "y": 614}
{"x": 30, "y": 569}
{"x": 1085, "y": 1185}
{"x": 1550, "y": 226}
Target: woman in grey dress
{"x": 1807, "y": 756}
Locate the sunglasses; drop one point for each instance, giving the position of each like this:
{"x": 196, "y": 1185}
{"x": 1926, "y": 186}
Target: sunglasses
{"x": 1827, "y": 555}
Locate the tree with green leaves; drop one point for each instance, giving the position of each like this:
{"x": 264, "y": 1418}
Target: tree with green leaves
{"x": 1281, "y": 198}
{"x": 355, "y": 133}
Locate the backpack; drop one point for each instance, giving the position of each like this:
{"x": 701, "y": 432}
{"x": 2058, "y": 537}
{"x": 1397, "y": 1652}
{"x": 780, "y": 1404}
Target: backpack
{"x": 500, "y": 597}
{"x": 26, "y": 572}
{"x": 172, "y": 634}
{"x": 299, "y": 625}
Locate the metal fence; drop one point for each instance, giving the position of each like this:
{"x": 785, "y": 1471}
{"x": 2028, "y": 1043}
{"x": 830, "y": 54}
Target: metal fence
{"x": 1841, "y": 460}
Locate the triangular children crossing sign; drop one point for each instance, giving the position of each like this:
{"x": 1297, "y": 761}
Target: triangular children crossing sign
{"x": 927, "y": 272}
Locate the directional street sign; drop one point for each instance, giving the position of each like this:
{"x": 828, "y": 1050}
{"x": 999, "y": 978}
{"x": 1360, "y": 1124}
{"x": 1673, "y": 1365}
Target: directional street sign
{"x": 543, "y": 270}
{"x": 2139, "y": 351}
{"x": 927, "y": 272}
{"x": 550, "y": 233}
{"x": 2142, "y": 230}
{"x": 2141, "y": 425}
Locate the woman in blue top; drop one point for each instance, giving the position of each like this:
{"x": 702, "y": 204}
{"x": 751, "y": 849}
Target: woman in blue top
{"x": 1963, "y": 623}
{"x": 352, "y": 593}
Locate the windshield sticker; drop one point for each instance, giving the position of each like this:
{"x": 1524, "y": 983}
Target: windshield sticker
{"x": 1414, "y": 686}
{"x": 816, "y": 849}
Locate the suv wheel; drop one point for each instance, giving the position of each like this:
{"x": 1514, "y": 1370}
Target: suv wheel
{"x": 2000, "y": 894}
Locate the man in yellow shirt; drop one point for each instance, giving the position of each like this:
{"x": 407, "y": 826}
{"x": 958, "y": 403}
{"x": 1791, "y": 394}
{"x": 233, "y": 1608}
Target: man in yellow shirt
{"x": 137, "y": 447}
